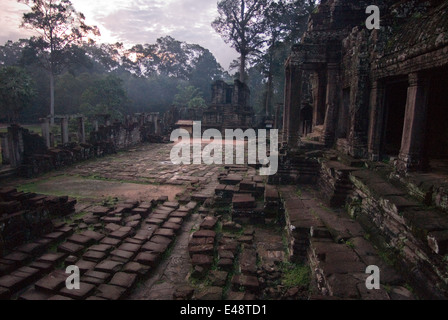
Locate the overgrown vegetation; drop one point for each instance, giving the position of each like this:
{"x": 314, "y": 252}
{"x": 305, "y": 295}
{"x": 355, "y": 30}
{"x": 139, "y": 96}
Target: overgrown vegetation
{"x": 295, "y": 275}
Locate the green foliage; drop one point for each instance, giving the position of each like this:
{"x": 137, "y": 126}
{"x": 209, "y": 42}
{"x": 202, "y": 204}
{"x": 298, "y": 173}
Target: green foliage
{"x": 190, "y": 97}
{"x": 16, "y": 91}
{"x": 105, "y": 96}
{"x": 242, "y": 24}
{"x": 295, "y": 275}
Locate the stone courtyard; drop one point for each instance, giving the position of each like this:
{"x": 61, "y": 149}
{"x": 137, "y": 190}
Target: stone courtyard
{"x": 142, "y": 228}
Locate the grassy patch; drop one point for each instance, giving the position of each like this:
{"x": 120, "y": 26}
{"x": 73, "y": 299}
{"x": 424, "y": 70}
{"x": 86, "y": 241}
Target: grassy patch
{"x": 76, "y": 216}
{"x": 296, "y": 275}
{"x": 350, "y": 244}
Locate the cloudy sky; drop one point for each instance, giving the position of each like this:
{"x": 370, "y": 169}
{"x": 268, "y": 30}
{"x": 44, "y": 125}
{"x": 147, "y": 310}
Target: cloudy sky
{"x": 136, "y": 21}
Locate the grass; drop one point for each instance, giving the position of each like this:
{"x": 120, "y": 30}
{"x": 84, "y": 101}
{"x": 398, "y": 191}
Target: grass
{"x": 350, "y": 244}
{"x": 296, "y": 275}
{"x": 75, "y": 217}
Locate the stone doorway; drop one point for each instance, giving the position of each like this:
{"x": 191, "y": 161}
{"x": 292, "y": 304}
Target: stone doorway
{"x": 396, "y": 95}
{"x": 436, "y": 140}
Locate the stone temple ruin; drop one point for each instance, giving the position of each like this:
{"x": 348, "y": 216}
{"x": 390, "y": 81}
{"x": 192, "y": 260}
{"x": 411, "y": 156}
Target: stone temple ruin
{"x": 377, "y": 98}
{"x": 362, "y": 182}
{"x": 29, "y": 153}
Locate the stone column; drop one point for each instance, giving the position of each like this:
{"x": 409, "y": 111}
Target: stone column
{"x": 5, "y": 148}
{"x": 81, "y": 130}
{"x": 156, "y": 124}
{"x": 45, "y": 124}
{"x": 332, "y": 101}
{"x": 286, "y": 105}
{"x": 411, "y": 155}
{"x": 64, "y": 130}
{"x": 16, "y": 147}
{"x": 319, "y": 90}
{"x": 376, "y": 124}
{"x": 293, "y": 102}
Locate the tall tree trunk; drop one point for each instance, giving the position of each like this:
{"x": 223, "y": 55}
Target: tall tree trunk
{"x": 52, "y": 97}
{"x": 269, "y": 93}
{"x": 270, "y": 80}
{"x": 243, "y": 68}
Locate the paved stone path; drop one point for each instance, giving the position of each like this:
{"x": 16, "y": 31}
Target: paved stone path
{"x": 171, "y": 273}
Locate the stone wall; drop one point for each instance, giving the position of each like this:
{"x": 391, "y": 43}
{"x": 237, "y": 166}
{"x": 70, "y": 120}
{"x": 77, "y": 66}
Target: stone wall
{"x": 31, "y": 155}
{"x": 25, "y": 216}
{"x": 410, "y": 234}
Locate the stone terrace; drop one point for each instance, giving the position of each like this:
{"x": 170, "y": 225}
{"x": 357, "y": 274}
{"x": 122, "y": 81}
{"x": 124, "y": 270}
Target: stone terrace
{"x": 146, "y": 229}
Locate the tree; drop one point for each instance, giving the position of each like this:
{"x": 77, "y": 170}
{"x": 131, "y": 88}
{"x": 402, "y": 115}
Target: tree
{"x": 16, "y": 91}
{"x": 285, "y": 24}
{"x": 242, "y": 23}
{"x": 105, "y": 96}
{"x": 11, "y": 52}
{"x": 61, "y": 29}
{"x": 189, "y": 96}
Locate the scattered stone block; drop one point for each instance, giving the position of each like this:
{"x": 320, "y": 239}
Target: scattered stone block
{"x": 109, "y": 266}
{"x": 131, "y": 247}
{"x": 206, "y": 249}
{"x": 121, "y": 255}
{"x": 218, "y": 278}
{"x": 111, "y": 241}
{"x": 136, "y": 268}
{"x": 94, "y": 256}
{"x": 52, "y": 258}
{"x": 32, "y": 249}
{"x": 85, "y": 266}
{"x": 161, "y": 240}
{"x": 124, "y": 280}
{"x": 110, "y": 292}
{"x": 148, "y": 258}
{"x": 70, "y": 248}
{"x": 202, "y": 260}
{"x": 249, "y": 282}
{"x": 94, "y": 235}
{"x": 184, "y": 292}
{"x": 210, "y": 293}
{"x": 101, "y": 248}
{"x": 19, "y": 258}
{"x": 209, "y": 223}
{"x": 169, "y": 233}
{"x": 154, "y": 247}
{"x": 52, "y": 283}
{"x": 225, "y": 264}
{"x": 204, "y": 234}
{"x": 45, "y": 267}
{"x": 85, "y": 290}
{"x": 12, "y": 283}
{"x": 34, "y": 295}
{"x": 81, "y": 240}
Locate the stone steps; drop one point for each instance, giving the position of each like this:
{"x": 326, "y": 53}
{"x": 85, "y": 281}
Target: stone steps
{"x": 110, "y": 260}
{"x": 397, "y": 216}
{"x": 337, "y": 252}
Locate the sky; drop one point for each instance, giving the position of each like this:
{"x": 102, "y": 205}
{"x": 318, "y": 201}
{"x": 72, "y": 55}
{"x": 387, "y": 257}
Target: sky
{"x": 136, "y": 21}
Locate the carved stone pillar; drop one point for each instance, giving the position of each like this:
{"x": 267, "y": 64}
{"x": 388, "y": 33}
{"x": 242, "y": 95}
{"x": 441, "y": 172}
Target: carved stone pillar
{"x": 319, "y": 91}
{"x": 332, "y": 100}
{"x": 377, "y": 101}
{"x": 412, "y": 143}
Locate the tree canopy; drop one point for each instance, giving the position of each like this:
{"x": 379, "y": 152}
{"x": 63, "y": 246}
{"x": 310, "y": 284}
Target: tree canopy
{"x": 242, "y": 24}
{"x": 16, "y": 91}
{"x": 61, "y": 30}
